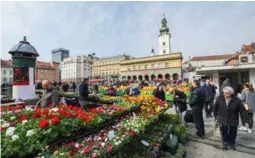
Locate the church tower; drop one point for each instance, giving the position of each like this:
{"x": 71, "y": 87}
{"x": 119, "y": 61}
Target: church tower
{"x": 164, "y": 38}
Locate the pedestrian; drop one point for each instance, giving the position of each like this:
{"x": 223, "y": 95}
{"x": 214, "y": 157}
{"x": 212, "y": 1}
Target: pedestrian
{"x": 65, "y": 87}
{"x": 160, "y": 93}
{"x": 226, "y": 110}
{"x": 196, "y": 104}
{"x": 210, "y": 93}
{"x": 179, "y": 100}
{"x": 49, "y": 97}
{"x": 248, "y": 98}
{"x": 84, "y": 93}
{"x": 74, "y": 86}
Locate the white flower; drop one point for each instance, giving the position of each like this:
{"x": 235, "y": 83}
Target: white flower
{"x": 30, "y": 132}
{"x": 116, "y": 143}
{"x": 76, "y": 145}
{"x": 13, "y": 117}
{"x": 29, "y": 108}
{"x": 103, "y": 144}
{"x": 24, "y": 121}
{"x": 10, "y": 131}
{"x": 15, "y": 137}
{"x": 49, "y": 130}
{"x": 5, "y": 125}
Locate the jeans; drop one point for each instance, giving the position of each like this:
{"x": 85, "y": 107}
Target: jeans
{"x": 208, "y": 107}
{"x": 228, "y": 134}
{"x": 247, "y": 117}
{"x": 199, "y": 122}
{"x": 83, "y": 104}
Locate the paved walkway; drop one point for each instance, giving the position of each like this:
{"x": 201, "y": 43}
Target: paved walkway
{"x": 210, "y": 146}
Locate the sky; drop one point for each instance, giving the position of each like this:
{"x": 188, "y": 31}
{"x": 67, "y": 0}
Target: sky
{"x": 113, "y": 28}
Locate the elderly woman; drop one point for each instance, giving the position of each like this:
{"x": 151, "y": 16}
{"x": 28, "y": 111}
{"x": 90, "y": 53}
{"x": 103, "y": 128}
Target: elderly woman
{"x": 226, "y": 110}
{"x": 248, "y": 98}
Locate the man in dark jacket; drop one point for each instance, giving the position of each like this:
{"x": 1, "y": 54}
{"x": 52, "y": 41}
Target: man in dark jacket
{"x": 210, "y": 93}
{"x": 196, "y": 104}
{"x": 84, "y": 93}
{"x": 65, "y": 87}
{"x": 226, "y": 110}
{"x": 74, "y": 86}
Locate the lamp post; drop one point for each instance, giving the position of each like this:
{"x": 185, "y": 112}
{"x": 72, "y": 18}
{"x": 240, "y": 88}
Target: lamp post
{"x": 92, "y": 55}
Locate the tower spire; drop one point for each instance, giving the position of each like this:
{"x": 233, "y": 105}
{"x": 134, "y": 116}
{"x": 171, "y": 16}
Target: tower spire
{"x": 164, "y": 28}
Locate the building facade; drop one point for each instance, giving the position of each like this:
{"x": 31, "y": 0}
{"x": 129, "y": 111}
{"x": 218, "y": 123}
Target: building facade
{"x": 190, "y": 66}
{"x": 46, "y": 71}
{"x": 58, "y": 55}
{"x": 239, "y": 68}
{"x": 108, "y": 67}
{"x": 6, "y": 71}
{"x": 165, "y": 65}
{"x": 154, "y": 67}
{"x": 76, "y": 68}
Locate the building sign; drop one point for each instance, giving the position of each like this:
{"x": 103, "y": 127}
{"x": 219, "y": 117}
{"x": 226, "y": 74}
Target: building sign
{"x": 20, "y": 76}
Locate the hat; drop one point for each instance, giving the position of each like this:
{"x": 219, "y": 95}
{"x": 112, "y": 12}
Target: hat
{"x": 230, "y": 89}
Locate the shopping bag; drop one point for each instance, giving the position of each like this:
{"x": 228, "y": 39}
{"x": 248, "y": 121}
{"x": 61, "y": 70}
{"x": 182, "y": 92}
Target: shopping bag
{"x": 188, "y": 117}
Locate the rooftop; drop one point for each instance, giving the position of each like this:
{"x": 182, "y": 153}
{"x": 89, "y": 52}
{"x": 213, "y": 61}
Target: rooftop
{"x": 6, "y": 63}
{"x": 45, "y": 65}
{"x": 212, "y": 57}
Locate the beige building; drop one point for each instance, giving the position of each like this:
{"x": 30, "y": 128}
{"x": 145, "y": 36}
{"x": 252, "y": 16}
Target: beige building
{"x": 46, "y": 71}
{"x": 164, "y": 66}
{"x": 108, "y": 67}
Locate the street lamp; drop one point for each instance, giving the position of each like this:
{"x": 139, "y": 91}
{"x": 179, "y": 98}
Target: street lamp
{"x": 92, "y": 55}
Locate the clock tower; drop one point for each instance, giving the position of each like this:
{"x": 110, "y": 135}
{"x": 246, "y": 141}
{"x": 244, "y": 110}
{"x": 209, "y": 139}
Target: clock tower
{"x": 164, "y": 38}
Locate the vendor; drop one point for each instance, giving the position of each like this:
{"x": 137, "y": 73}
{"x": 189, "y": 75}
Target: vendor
{"x": 50, "y": 96}
{"x": 160, "y": 93}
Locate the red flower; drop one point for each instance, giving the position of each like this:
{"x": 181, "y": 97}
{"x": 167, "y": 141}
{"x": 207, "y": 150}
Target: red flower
{"x": 109, "y": 148}
{"x": 22, "y": 117}
{"x": 132, "y": 133}
{"x": 55, "y": 120}
{"x": 43, "y": 123}
{"x": 45, "y": 112}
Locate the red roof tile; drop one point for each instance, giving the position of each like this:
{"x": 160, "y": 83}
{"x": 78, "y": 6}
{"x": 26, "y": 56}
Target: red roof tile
{"x": 44, "y": 65}
{"x": 186, "y": 62}
{"x": 212, "y": 57}
{"x": 248, "y": 48}
{"x": 6, "y": 63}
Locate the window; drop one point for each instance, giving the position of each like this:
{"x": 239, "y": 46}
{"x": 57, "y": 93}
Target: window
{"x": 159, "y": 65}
{"x": 164, "y": 51}
{"x": 4, "y": 72}
{"x": 152, "y": 66}
{"x": 164, "y": 43}
{"x": 128, "y": 68}
{"x": 10, "y": 72}
{"x": 139, "y": 67}
{"x": 145, "y": 66}
{"x": 134, "y": 67}
{"x": 166, "y": 64}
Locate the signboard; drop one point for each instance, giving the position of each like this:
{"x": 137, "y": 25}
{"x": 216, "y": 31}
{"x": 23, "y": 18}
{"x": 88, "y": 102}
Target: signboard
{"x": 20, "y": 76}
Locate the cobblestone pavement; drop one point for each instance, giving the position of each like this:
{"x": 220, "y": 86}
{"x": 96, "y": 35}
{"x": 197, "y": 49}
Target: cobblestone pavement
{"x": 210, "y": 146}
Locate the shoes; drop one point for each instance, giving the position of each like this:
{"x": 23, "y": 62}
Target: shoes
{"x": 232, "y": 147}
{"x": 249, "y": 130}
{"x": 201, "y": 137}
{"x": 243, "y": 128}
{"x": 224, "y": 147}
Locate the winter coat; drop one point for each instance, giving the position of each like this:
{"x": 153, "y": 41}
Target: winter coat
{"x": 197, "y": 98}
{"x": 180, "y": 99}
{"x": 248, "y": 98}
{"x": 228, "y": 114}
{"x": 49, "y": 97}
{"x": 160, "y": 95}
{"x": 210, "y": 92}
{"x": 83, "y": 91}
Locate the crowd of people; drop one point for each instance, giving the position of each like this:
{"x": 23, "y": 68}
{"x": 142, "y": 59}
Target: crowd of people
{"x": 225, "y": 108}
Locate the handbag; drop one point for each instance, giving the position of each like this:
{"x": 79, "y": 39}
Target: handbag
{"x": 188, "y": 117}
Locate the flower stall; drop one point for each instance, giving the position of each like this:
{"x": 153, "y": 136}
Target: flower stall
{"x": 102, "y": 131}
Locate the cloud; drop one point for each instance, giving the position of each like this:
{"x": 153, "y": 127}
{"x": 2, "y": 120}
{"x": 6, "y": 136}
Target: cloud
{"x": 111, "y": 28}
